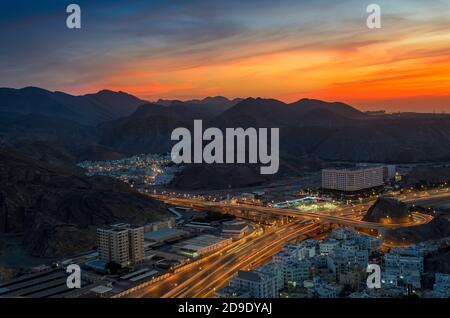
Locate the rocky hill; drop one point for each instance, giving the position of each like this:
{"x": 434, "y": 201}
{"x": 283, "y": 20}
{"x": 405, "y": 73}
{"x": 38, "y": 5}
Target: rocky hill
{"x": 388, "y": 210}
{"x": 428, "y": 176}
{"x": 58, "y": 209}
{"x": 87, "y": 109}
{"x": 438, "y": 228}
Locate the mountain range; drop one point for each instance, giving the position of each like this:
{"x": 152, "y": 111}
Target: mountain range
{"x": 89, "y": 109}
{"x": 44, "y": 134}
{"x": 122, "y": 124}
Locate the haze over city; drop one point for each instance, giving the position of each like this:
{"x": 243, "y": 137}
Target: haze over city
{"x": 184, "y": 50}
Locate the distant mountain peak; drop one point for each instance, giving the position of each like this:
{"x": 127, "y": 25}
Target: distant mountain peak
{"x": 89, "y": 109}
{"x": 215, "y": 98}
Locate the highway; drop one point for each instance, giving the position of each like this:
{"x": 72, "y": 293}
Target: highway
{"x": 344, "y": 216}
{"x": 213, "y": 273}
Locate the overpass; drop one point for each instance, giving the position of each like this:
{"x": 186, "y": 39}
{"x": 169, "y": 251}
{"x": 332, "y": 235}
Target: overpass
{"x": 419, "y": 218}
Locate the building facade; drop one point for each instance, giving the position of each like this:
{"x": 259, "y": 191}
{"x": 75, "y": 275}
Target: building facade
{"x": 256, "y": 284}
{"x": 352, "y": 180}
{"x": 121, "y": 243}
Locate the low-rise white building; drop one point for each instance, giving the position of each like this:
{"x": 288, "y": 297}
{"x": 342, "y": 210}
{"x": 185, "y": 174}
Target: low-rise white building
{"x": 255, "y": 284}
{"x": 403, "y": 264}
{"x": 234, "y": 229}
{"x": 339, "y": 257}
{"x": 201, "y": 245}
{"x": 295, "y": 272}
{"x": 307, "y": 249}
{"x": 328, "y": 245}
{"x": 275, "y": 270}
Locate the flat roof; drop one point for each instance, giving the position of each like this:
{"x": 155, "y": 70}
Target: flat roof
{"x": 23, "y": 284}
{"x": 145, "y": 275}
{"x": 46, "y": 284}
{"x": 234, "y": 227}
{"x": 251, "y": 276}
{"x": 129, "y": 275}
{"x": 101, "y": 289}
{"x": 163, "y": 234}
{"x": 192, "y": 247}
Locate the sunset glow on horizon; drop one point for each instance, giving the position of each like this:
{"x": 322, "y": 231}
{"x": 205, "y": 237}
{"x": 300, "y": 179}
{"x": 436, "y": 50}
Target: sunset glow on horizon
{"x": 286, "y": 50}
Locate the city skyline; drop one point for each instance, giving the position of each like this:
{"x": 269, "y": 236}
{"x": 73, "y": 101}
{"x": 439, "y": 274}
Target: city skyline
{"x": 288, "y": 50}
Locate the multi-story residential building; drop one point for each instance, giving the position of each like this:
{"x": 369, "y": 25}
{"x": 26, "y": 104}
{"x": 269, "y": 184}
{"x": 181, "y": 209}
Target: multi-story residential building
{"x": 412, "y": 278}
{"x": 319, "y": 261}
{"x": 350, "y": 245}
{"x": 121, "y": 243}
{"x": 322, "y": 289}
{"x": 412, "y": 250}
{"x": 295, "y": 272}
{"x": 307, "y": 249}
{"x": 441, "y": 287}
{"x": 328, "y": 245}
{"x": 352, "y": 180}
{"x": 389, "y": 279}
{"x": 403, "y": 264}
{"x": 275, "y": 270}
{"x": 389, "y": 172}
{"x": 350, "y": 237}
{"x": 352, "y": 275}
{"x": 368, "y": 242}
{"x": 255, "y": 284}
{"x": 339, "y": 257}
{"x": 288, "y": 253}
{"x": 341, "y": 233}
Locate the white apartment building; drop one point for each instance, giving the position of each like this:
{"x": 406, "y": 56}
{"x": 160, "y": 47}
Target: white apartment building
{"x": 389, "y": 172}
{"x": 340, "y": 256}
{"x": 256, "y": 284}
{"x": 412, "y": 250}
{"x": 295, "y": 272}
{"x": 352, "y": 180}
{"x": 389, "y": 279}
{"x": 321, "y": 289}
{"x": 362, "y": 241}
{"x": 341, "y": 233}
{"x": 121, "y": 243}
{"x": 403, "y": 264}
{"x": 367, "y": 242}
{"x": 273, "y": 269}
{"x": 328, "y": 245}
{"x": 307, "y": 249}
{"x": 288, "y": 253}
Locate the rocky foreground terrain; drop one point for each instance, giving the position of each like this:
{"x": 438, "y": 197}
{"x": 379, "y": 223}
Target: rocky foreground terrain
{"x": 58, "y": 209}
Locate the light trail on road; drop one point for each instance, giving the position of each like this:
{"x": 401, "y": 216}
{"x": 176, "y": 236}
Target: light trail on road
{"x": 347, "y": 220}
{"x": 215, "y": 271}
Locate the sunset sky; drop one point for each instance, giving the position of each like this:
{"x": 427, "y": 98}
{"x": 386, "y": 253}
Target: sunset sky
{"x": 184, "y": 49}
